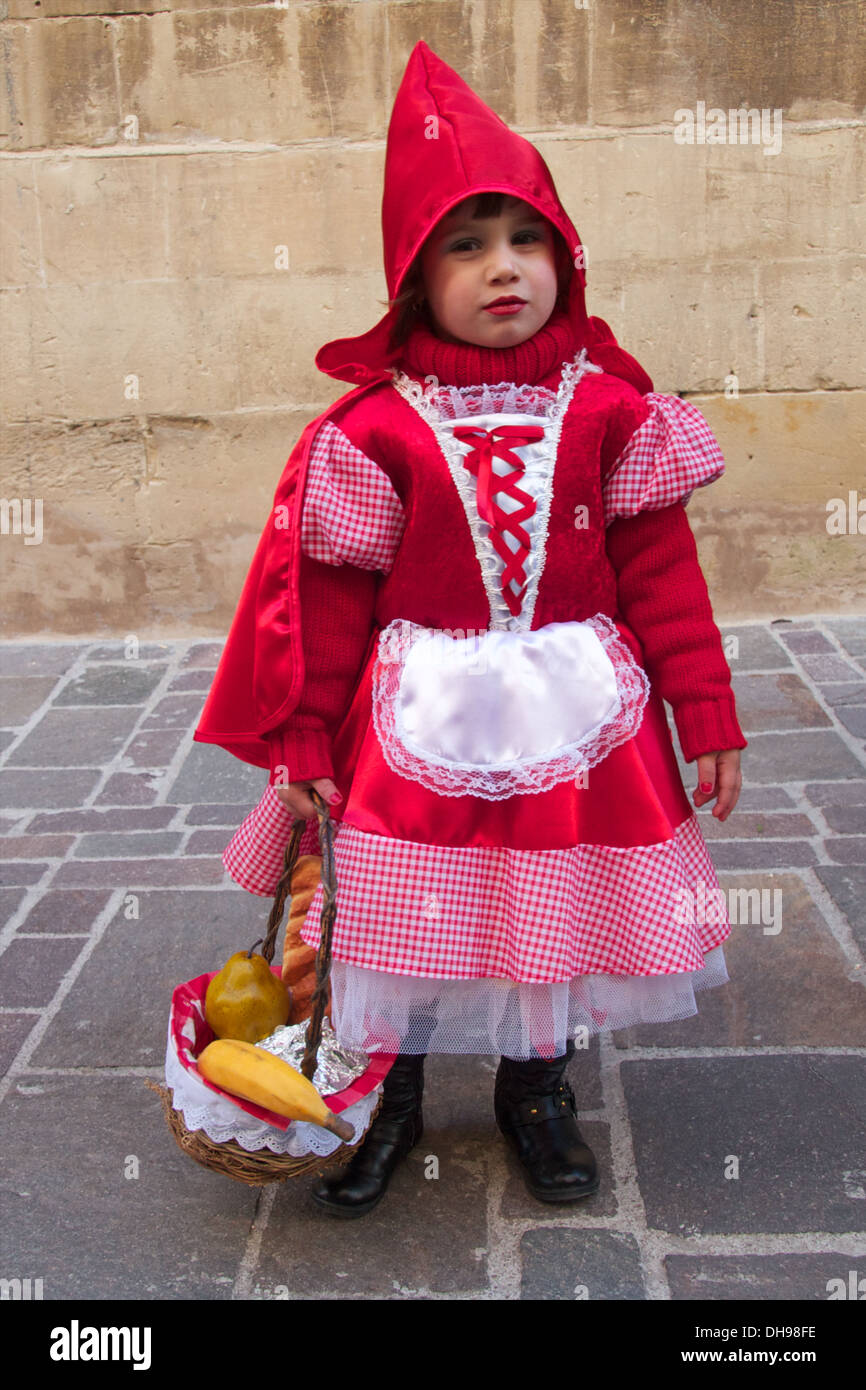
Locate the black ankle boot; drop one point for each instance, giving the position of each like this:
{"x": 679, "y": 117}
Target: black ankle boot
{"x": 536, "y": 1111}
{"x": 399, "y": 1125}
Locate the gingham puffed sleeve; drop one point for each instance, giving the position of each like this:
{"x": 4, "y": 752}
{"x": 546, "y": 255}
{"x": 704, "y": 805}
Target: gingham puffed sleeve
{"x": 670, "y": 453}
{"x": 351, "y": 513}
{"x": 351, "y": 525}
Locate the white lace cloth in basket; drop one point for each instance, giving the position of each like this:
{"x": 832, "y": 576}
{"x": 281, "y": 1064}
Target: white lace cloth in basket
{"x": 220, "y": 1119}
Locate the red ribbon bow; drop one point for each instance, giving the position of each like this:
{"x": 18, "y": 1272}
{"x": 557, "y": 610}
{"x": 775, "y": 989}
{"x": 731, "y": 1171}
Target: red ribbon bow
{"x": 479, "y": 461}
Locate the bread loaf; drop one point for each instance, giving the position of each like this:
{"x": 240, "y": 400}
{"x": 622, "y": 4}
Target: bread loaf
{"x": 299, "y": 959}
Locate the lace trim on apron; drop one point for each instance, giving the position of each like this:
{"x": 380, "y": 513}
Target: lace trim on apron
{"x": 503, "y": 713}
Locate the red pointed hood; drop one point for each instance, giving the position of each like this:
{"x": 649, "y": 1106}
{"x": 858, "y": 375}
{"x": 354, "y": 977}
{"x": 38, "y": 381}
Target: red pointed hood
{"x": 445, "y": 144}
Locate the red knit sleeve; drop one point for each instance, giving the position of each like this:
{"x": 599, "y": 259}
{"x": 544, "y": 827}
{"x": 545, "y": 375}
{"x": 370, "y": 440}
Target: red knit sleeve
{"x": 663, "y": 597}
{"x": 336, "y": 604}
{"x": 351, "y": 527}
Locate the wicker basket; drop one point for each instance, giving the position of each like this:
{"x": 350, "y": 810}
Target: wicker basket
{"x": 264, "y": 1165}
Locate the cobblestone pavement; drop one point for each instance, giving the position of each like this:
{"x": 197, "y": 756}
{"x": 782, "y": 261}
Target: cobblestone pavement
{"x": 103, "y": 794}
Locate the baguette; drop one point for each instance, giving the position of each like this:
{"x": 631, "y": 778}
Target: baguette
{"x": 299, "y": 959}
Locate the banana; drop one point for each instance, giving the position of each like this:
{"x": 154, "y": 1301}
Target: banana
{"x": 254, "y": 1074}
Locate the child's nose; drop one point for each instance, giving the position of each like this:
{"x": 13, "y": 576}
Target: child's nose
{"x": 502, "y": 259}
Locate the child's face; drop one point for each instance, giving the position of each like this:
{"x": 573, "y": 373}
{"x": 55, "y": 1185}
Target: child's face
{"x": 467, "y": 264}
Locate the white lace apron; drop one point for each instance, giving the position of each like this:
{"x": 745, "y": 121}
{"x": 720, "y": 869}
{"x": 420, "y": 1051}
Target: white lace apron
{"x": 506, "y": 710}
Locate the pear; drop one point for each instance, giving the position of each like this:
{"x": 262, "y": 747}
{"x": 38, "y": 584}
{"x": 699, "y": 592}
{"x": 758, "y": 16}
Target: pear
{"x": 246, "y": 1000}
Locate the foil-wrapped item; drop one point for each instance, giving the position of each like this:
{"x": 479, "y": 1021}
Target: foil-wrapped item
{"x": 336, "y": 1066}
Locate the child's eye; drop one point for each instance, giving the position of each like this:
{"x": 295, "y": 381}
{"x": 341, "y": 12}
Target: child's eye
{"x": 468, "y": 243}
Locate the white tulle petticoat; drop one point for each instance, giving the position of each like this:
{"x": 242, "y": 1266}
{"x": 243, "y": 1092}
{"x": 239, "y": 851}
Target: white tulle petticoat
{"x": 505, "y": 1017}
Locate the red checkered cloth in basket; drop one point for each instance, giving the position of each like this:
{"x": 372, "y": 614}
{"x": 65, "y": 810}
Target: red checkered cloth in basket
{"x": 488, "y": 911}
{"x": 191, "y": 1034}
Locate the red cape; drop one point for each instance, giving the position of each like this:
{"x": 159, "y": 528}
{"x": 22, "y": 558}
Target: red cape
{"x": 444, "y": 144}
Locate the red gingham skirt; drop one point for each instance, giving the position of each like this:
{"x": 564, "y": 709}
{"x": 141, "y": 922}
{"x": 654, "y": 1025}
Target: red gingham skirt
{"x": 610, "y": 878}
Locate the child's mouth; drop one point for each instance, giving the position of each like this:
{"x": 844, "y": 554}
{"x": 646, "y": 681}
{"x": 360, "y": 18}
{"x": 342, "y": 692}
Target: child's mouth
{"x": 505, "y": 307}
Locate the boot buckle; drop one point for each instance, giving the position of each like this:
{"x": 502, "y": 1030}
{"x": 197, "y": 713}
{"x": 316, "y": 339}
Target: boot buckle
{"x": 534, "y": 1109}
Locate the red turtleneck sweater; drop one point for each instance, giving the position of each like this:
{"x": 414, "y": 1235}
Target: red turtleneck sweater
{"x": 661, "y": 591}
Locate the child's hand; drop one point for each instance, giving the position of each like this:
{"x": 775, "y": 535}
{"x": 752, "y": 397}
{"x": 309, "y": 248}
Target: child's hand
{"x": 296, "y": 796}
{"x": 719, "y": 775}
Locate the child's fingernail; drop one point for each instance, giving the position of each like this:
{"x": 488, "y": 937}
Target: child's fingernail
{"x": 337, "y": 796}
{"x": 706, "y": 786}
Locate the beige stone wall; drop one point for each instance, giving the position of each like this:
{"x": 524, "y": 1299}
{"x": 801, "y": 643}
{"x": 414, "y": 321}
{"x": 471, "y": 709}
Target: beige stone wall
{"x": 157, "y": 355}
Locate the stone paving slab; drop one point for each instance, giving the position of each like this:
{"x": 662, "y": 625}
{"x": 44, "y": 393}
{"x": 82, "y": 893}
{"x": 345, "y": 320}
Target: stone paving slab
{"x": 116, "y": 1012}
{"x": 112, "y": 824}
{"x": 569, "y": 1264}
{"x": 71, "y": 1213}
{"x": 65, "y": 910}
{"x": 428, "y": 1235}
{"x": 129, "y": 684}
{"x": 795, "y": 1125}
{"x": 795, "y": 1278}
{"x": 754, "y": 647}
{"x": 847, "y": 887}
{"x": 776, "y": 702}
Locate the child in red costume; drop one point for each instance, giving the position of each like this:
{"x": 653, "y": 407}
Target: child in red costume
{"x": 476, "y": 589}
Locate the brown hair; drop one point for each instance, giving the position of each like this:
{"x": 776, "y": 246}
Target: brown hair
{"x": 410, "y": 303}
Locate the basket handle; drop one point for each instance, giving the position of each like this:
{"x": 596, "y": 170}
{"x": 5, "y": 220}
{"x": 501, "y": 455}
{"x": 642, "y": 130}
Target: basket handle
{"x": 329, "y": 912}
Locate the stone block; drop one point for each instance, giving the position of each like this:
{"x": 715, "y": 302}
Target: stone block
{"x": 119, "y": 845}
{"x": 93, "y": 819}
{"x": 827, "y": 668}
{"x": 652, "y": 59}
{"x": 75, "y": 738}
{"x": 851, "y": 632}
{"x": 576, "y": 1264}
{"x": 809, "y": 296}
{"x": 106, "y": 684}
{"x": 29, "y": 788}
{"x": 31, "y": 970}
{"x": 804, "y": 756}
{"x": 155, "y": 748}
{"x": 847, "y": 888}
{"x": 776, "y": 702}
{"x": 848, "y": 820}
{"x": 209, "y": 773}
{"x": 70, "y": 910}
{"x": 24, "y": 659}
{"x": 116, "y": 1013}
{"x": 78, "y": 110}
{"x": 762, "y": 854}
{"x": 16, "y": 871}
{"x": 794, "y": 1125}
{"x": 140, "y": 873}
{"x": 174, "y": 712}
{"x": 35, "y": 846}
{"x": 760, "y": 1278}
{"x": 128, "y": 789}
{"x": 849, "y": 793}
{"x": 88, "y": 1164}
{"x": 847, "y": 849}
{"x": 20, "y": 697}
{"x": 428, "y": 1235}
{"x": 753, "y": 647}
{"x": 742, "y": 825}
